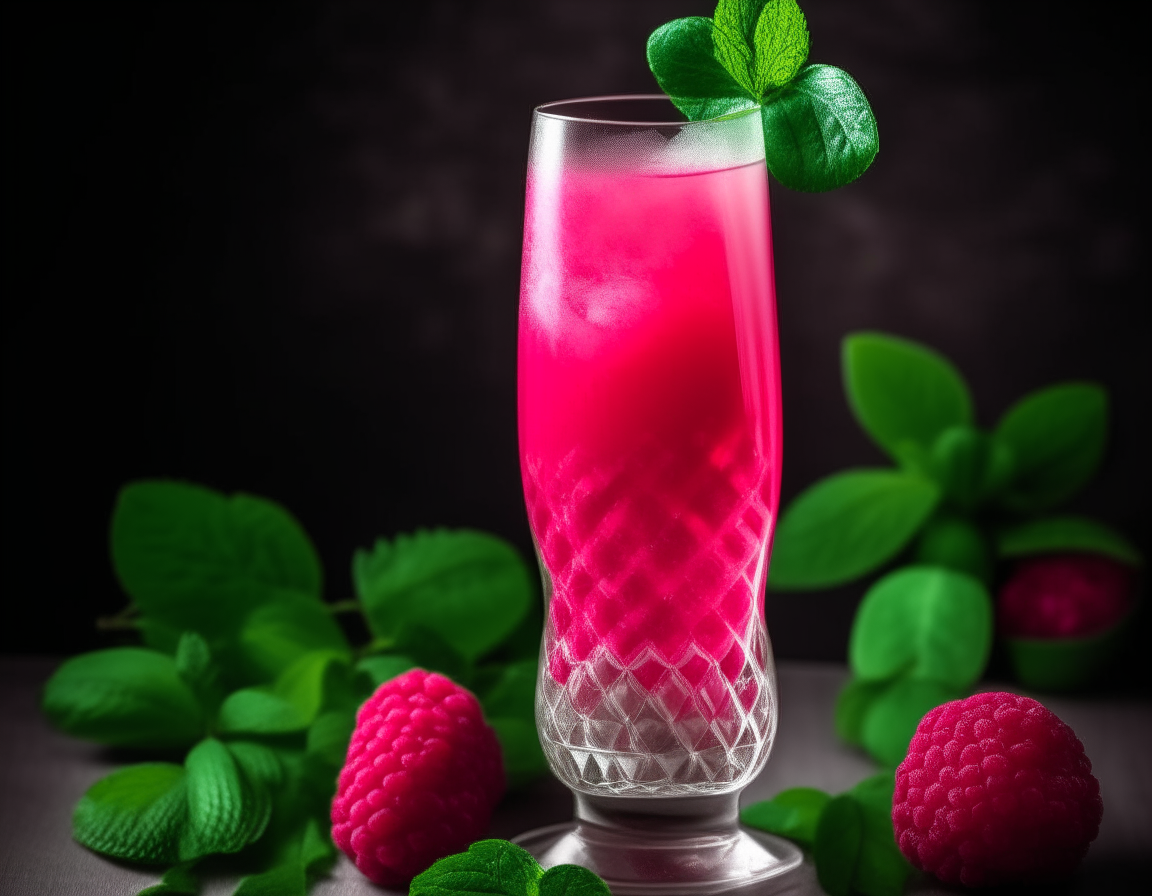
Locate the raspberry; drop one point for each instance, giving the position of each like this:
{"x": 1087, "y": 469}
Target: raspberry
{"x": 1064, "y": 596}
{"x": 995, "y": 789}
{"x": 422, "y": 776}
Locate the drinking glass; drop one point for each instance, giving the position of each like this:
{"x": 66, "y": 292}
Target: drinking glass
{"x": 650, "y": 446}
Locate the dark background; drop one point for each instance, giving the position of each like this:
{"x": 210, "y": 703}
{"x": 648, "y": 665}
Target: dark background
{"x": 275, "y": 248}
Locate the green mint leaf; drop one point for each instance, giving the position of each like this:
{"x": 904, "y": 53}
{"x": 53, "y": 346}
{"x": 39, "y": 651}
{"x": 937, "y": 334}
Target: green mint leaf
{"x": 762, "y": 43}
{"x": 276, "y": 633}
{"x": 881, "y": 869}
{"x": 138, "y": 813}
{"x": 488, "y": 868}
{"x": 853, "y": 704}
{"x": 924, "y": 621}
{"x": 792, "y": 813}
{"x": 124, "y": 697}
{"x": 329, "y": 736}
{"x": 1057, "y": 436}
{"x": 470, "y": 588}
{"x": 194, "y": 660}
{"x": 1067, "y": 532}
{"x": 819, "y": 131}
{"x": 304, "y": 854}
{"x": 509, "y": 702}
{"x": 288, "y": 878}
{"x": 225, "y": 810}
{"x": 571, "y": 880}
{"x": 903, "y": 394}
{"x": 380, "y": 669}
{"x": 847, "y": 525}
{"x": 513, "y": 692}
{"x": 195, "y": 560}
{"x": 431, "y": 650}
{"x": 259, "y": 711}
{"x": 957, "y": 543}
{"x": 524, "y": 759}
{"x": 682, "y": 56}
{"x": 894, "y": 714}
{"x": 317, "y": 851}
{"x": 289, "y": 704}
{"x": 177, "y": 881}
{"x": 838, "y": 839}
{"x": 259, "y": 763}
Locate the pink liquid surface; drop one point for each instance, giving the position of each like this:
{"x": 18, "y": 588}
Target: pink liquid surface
{"x": 649, "y": 414}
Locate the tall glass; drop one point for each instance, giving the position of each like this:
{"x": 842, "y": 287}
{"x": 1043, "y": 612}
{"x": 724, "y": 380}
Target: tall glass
{"x": 650, "y": 446}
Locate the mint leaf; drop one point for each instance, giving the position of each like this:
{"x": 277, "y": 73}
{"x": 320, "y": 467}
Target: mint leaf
{"x": 177, "y": 881}
{"x": 488, "y": 868}
{"x": 1068, "y": 532}
{"x": 277, "y": 632}
{"x": 792, "y": 813}
{"x": 838, "y": 839}
{"x": 852, "y": 706}
{"x": 124, "y": 697}
{"x": 761, "y": 43}
{"x": 329, "y": 736}
{"x": 259, "y": 711}
{"x": 225, "y": 810}
{"x": 470, "y": 588}
{"x": 509, "y": 702}
{"x": 513, "y": 692}
{"x": 903, "y": 394}
{"x": 194, "y": 661}
{"x": 819, "y": 131}
{"x": 138, "y": 813}
{"x": 682, "y": 56}
{"x": 195, "y": 560}
{"x": 923, "y": 621}
{"x": 1057, "y": 436}
{"x": 881, "y": 869}
{"x": 897, "y": 710}
{"x": 380, "y": 669}
{"x": 571, "y": 880}
{"x": 847, "y": 525}
{"x": 520, "y": 749}
{"x": 291, "y": 703}
{"x": 287, "y": 878}
{"x": 956, "y": 543}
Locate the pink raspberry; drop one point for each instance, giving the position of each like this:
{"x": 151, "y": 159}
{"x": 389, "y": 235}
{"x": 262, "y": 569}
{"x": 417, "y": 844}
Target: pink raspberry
{"x": 1064, "y": 596}
{"x": 995, "y": 789}
{"x": 423, "y": 773}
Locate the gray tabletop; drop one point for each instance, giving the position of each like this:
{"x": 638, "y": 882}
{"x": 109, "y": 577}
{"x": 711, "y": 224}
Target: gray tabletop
{"x": 43, "y": 773}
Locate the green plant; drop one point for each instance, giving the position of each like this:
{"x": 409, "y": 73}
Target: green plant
{"x": 246, "y": 687}
{"x": 957, "y": 501}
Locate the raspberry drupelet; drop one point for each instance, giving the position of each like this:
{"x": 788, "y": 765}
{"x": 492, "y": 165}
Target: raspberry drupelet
{"x": 423, "y": 774}
{"x": 995, "y": 789}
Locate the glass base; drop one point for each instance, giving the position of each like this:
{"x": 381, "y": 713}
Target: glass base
{"x": 667, "y": 845}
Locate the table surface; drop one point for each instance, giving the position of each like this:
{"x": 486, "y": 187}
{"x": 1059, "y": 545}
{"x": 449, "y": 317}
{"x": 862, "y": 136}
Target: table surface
{"x": 43, "y": 773}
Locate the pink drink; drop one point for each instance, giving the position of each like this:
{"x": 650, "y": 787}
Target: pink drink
{"x": 650, "y": 451}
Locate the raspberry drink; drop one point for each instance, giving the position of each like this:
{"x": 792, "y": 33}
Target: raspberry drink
{"x": 650, "y": 452}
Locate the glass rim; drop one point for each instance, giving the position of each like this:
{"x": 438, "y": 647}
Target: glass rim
{"x": 547, "y": 110}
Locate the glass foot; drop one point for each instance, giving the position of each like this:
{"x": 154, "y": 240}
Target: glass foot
{"x": 660, "y": 846}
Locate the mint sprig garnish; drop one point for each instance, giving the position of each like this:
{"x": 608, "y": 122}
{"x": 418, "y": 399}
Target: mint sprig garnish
{"x": 819, "y": 131}
{"x": 247, "y": 687}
